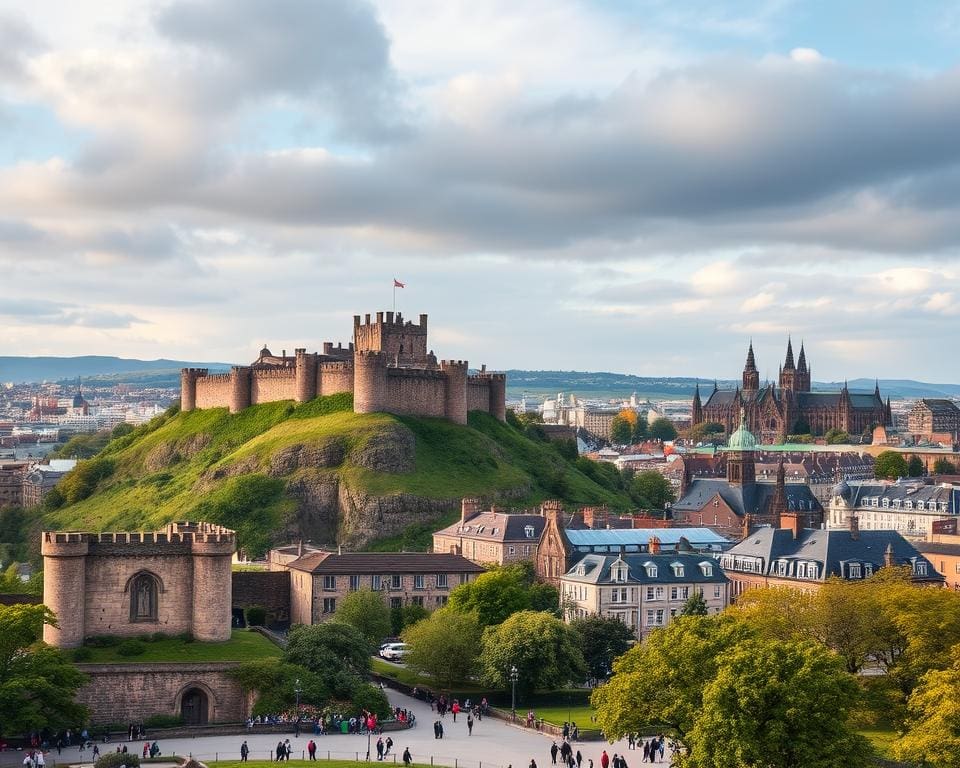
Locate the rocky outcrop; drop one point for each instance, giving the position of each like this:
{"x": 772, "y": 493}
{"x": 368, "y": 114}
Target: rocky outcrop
{"x": 165, "y": 455}
{"x": 393, "y": 449}
{"x": 317, "y": 493}
{"x": 323, "y": 454}
{"x": 365, "y": 517}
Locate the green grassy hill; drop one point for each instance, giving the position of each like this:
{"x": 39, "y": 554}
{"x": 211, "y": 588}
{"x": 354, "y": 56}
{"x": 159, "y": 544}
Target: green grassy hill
{"x": 317, "y": 470}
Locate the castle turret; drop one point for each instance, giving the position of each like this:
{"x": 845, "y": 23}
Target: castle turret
{"x": 788, "y": 373}
{"x": 64, "y": 574}
{"x": 306, "y": 373}
{"x": 498, "y": 396}
{"x": 212, "y": 584}
{"x": 455, "y": 404}
{"x": 369, "y": 381}
{"x": 188, "y": 387}
{"x": 741, "y": 466}
{"x": 240, "y": 378}
{"x": 778, "y": 504}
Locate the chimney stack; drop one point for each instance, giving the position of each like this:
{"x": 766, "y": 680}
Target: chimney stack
{"x": 469, "y": 508}
{"x": 792, "y": 521}
{"x": 854, "y": 527}
{"x": 654, "y": 545}
{"x": 888, "y": 559}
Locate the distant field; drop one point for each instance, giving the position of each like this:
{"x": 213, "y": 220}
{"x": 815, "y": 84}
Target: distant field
{"x": 242, "y": 646}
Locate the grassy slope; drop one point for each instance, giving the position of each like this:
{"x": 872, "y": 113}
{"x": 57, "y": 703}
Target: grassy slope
{"x": 242, "y": 646}
{"x": 487, "y": 458}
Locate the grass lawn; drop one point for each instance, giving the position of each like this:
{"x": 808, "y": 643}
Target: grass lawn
{"x": 242, "y": 646}
{"x": 882, "y": 740}
{"x": 330, "y": 763}
{"x": 409, "y": 677}
{"x": 558, "y": 715}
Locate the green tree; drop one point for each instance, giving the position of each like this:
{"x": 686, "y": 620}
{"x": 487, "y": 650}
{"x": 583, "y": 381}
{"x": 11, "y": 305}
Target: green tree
{"x": 406, "y": 616}
{"x": 493, "y": 595}
{"x": 602, "y": 639}
{"x": 365, "y": 610}
{"x": 801, "y": 427}
{"x": 661, "y": 680}
{"x": 890, "y": 465}
{"x": 640, "y": 428}
{"x": 836, "y": 437}
{"x": 915, "y": 467}
{"x": 84, "y": 446}
{"x": 932, "y": 736}
{"x": 37, "y": 683}
{"x": 705, "y": 432}
{"x": 662, "y": 429}
{"x": 651, "y": 490}
{"x": 122, "y": 429}
{"x": 944, "y": 466}
{"x": 621, "y": 430}
{"x": 274, "y": 682}
{"x": 545, "y": 651}
{"x": 695, "y": 605}
{"x": 444, "y": 646}
{"x": 544, "y": 597}
{"x": 778, "y": 704}
{"x": 331, "y": 645}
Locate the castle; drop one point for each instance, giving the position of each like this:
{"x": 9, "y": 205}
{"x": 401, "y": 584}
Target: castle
{"x": 773, "y": 413}
{"x": 387, "y": 367}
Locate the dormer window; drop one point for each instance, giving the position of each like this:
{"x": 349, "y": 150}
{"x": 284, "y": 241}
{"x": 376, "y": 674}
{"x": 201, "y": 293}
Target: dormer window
{"x": 854, "y": 570}
{"x": 868, "y": 569}
{"x": 581, "y": 570}
{"x": 706, "y": 569}
{"x": 908, "y": 504}
{"x": 651, "y": 569}
{"x": 677, "y": 569}
{"x": 920, "y": 568}
{"x": 528, "y": 531}
{"x": 619, "y": 571}
{"x": 886, "y": 503}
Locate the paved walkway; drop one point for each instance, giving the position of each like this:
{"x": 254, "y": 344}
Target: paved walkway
{"x": 494, "y": 744}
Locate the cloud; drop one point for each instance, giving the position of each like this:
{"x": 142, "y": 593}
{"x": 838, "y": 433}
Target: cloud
{"x": 17, "y": 40}
{"x": 40, "y": 312}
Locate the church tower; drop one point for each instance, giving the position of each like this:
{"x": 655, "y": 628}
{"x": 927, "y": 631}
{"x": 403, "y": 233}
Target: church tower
{"x": 788, "y": 373}
{"x": 803, "y": 372}
{"x": 751, "y": 377}
{"x": 696, "y": 417}
{"x": 741, "y": 466}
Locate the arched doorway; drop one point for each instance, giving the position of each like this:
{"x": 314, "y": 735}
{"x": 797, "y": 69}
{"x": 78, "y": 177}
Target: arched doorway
{"x": 194, "y": 707}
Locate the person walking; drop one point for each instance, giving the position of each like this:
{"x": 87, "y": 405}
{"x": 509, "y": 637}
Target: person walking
{"x": 312, "y": 749}
{"x": 604, "y": 759}
{"x": 389, "y": 746}
{"x": 96, "y": 752}
{"x": 380, "y": 748}
{"x": 553, "y": 753}
{"x": 280, "y": 751}
{"x": 244, "y": 752}
{"x": 579, "y": 758}
{"x": 407, "y": 759}
{"x": 469, "y": 725}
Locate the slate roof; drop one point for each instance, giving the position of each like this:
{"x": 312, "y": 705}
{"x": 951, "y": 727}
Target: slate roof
{"x": 669, "y": 537}
{"x": 936, "y": 548}
{"x": 597, "y": 569}
{"x": 750, "y": 498}
{"x": 858, "y": 493}
{"x": 941, "y": 407}
{"x": 489, "y": 526}
{"x": 384, "y": 562}
{"x": 858, "y": 400}
{"x": 830, "y": 549}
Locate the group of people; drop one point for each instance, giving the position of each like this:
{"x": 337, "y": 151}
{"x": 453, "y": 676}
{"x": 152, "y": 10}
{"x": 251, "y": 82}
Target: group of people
{"x": 571, "y": 731}
{"x": 384, "y": 747}
{"x": 653, "y": 748}
{"x": 34, "y": 759}
{"x": 566, "y": 754}
{"x": 150, "y": 750}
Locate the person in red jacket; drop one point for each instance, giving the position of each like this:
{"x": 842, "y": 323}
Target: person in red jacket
{"x": 604, "y": 760}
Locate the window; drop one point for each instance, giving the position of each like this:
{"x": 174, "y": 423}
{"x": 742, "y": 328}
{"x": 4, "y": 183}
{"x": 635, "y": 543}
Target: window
{"x": 511, "y": 550}
{"x": 354, "y": 583}
{"x": 418, "y": 581}
{"x": 868, "y": 569}
{"x": 441, "y": 581}
{"x": 395, "y": 581}
{"x": 329, "y": 583}
{"x": 375, "y": 583}
{"x": 526, "y": 549}
{"x": 418, "y": 600}
{"x": 886, "y": 503}
{"x": 677, "y": 569}
{"x": 673, "y": 593}
{"x": 781, "y": 567}
{"x": 329, "y": 604}
{"x": 655, "y": 617}
{"x": 143, "y": 598}
{"x": 706, "y": 569}
{"x": 660, "y": 616}
{"x": 908, "y": 504}
{"x": 717, "y": 590}
{"x": 528, "y": 531}
{"x": 396, "y": 602}
{"x": 441, "y": 600}
{"x": 920, "y": 569}
{"x": 464, "y": 578}
{"x": 619, "y": 572}
{"x": 651, "y": 569}
{"x": 618, "y": 595}
{"x": 659, "y": 593}
{"x": 650, "y": 589}
{"x": 854, "y": 570}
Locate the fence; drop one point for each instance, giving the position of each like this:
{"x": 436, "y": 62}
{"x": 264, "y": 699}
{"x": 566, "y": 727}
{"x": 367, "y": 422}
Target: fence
{"x": 326, "y": 755}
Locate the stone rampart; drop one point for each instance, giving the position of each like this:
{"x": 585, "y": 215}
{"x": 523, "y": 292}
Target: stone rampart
{"x": 415, "y": 392}
{"x": 478, "y": 394}
{"x": 213, "y": 391}
{"x": 335, "y": 377}
{"x": 269, "y": 386}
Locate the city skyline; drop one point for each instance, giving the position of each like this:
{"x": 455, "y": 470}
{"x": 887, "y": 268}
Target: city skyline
{"x": 644, "y": 195}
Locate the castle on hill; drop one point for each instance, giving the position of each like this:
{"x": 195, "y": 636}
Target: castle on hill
{"x": 773, "y": 413}
{"x": 387, "y": 367}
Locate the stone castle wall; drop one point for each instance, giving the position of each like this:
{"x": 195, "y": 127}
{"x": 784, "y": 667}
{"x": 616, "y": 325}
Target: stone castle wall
{"x": 123, "y": 693}
{"x": 478, "y": 394}
{"x": 335, "y": 377}
{"x": 268, "y": 589}
{"x": 271, "y": 386}
{"x": 212, "y": 391}
{"x": 415, "y": 392}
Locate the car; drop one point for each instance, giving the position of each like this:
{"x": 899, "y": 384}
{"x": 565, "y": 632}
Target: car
{"x": 395, "y": 651}
{"x": 386, "y": 642}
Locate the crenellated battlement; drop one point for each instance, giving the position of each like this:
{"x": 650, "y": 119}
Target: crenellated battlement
{"x": 217, "y": 377}
{"x": 276, "y": 373}
{"x": 334, "y": 365}
{"x": 174, "y": 533}
{"x": 416, "y": 373}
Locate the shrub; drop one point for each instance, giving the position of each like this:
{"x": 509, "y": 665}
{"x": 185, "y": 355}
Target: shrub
{"x": 82, "y": 654}
{"x": 256, "y": 616}
{"x": 132, "y": 648}
{"x": 185, "y": 637}
{"x": 116, "y": 759}
{"x": 102, "y": 641}
{"x": 156, "y": 637}
{"x": 163, "y": 721}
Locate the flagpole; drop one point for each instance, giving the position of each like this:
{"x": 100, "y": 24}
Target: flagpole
{"x": 394, "y": 295}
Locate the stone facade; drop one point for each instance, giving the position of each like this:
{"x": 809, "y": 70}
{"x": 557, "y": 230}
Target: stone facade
{"x": 491, "y": 537}
{"x": 201, "y": 692}
{"x": 127, "y": 584}
{"x": 267, "y": 589}
{"x": 388, "y": 368}
{"x": 933, "y": 417}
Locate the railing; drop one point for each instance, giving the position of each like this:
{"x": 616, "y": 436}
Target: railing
{"x": 395, "y": 758}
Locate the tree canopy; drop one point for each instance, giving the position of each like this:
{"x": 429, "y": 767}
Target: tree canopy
{"x": 365, "y": 610}
{"x": 444, "y": 646}
{"x": 933, "y": 729}
{"x": 944, "y": 466}
{"x": 662, "y": 429}
{"x": 915, "y": 466}
{"x": 651, "y": 490}
{"x": 602, "y": 640}
{"x": 621, "y": 430}
{"x": 890, "y": 465}
{"x": 836, "y": 437}
{"x": 503, "y": 591}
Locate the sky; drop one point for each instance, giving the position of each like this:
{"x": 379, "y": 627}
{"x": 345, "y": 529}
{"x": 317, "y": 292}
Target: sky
{"x": 639, "y": 187}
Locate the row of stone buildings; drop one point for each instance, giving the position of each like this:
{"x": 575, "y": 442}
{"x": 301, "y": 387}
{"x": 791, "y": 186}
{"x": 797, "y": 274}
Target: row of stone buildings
{"x": 26, "y": 483}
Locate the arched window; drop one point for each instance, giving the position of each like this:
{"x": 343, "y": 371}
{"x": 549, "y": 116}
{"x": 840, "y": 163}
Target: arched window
{"x": 143, "y": 598}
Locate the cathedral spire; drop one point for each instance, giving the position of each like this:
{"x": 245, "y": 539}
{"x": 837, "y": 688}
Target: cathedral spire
{"x": 751, "y": 362}
{"x": 788, "y": 364}
{"x": 802, "y": 360}
{"x": 751, "y": 376}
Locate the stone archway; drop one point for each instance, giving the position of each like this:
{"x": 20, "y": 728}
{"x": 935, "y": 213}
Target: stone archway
{"x": 195, "y": 707}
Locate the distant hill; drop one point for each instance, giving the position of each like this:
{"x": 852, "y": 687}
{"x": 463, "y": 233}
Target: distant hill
{"x": 603, "y": 385}
{"x": 117, "y": 369}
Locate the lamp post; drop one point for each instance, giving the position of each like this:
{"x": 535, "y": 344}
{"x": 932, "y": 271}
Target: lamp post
{"x": 297, "y": 690}
{"x": 514, "y": 675}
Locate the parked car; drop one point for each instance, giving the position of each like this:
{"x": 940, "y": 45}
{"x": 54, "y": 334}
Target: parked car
{"x": 395, "y": 651}
{"x": 387, "y": 641}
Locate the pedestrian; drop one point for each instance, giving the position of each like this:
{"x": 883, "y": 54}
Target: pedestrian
{"x": 441, "y": 728}
{"x": 533, "y": 763}
{"x": 469, "y": 725}
{"x": 280, "y": 751}
{"x": 406, "y": 756}
{"x": 455, "y": 709}
{"x": 389, "y": 746}
{"x": 604, "y": 760}
{"x": 553, "y": 753}
{"x": 244, "y": 752}
{"x": 436, "y": 729}
{"x": 40, "y": 760}
{"x": 566, "y": 730}
{"x": 646, "y": 750}
{"x": 96, "y": 752}
{"x": 579, "y": 758}
{"x": 146, "y": 749}
{"x": 59, "y": 745}
{"x": 380, "y": 748}
{"x": 660, "y": 747}
{"x": 312, "y": 749}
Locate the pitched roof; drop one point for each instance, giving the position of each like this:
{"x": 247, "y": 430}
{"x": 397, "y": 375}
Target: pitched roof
{"x": 384, "y": 562}
{"x": 750, "y": 498}
{"x": 597, "y": 569}
{"x": 497, "y": 526}
{"x": 603, "y": 537}
{"x": 941, "y": 406}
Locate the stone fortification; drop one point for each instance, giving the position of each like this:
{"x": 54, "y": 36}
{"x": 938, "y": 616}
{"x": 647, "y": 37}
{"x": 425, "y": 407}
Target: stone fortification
{"x": 127, "y": 584}
{"x": 388, "y": 368}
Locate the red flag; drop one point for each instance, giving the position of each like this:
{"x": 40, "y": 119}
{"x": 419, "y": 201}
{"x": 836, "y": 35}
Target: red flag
{"x": 398, "y": 284}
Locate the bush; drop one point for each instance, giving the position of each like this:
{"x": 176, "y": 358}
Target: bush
{"x": 156, "y": 637}
{"x": 132, "y": 648}
{"x": 116, "y": 759}
{"x": 185, "y": 637}
{"x": 82, "y": 654}
{"x": 163, "y": 721}
{"x": 256, "y": 616}
{"x": 102, "y": 641}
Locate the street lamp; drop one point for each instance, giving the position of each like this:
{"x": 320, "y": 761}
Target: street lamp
{"x": 514, "y": 675}
{"x": 297, "y": 690}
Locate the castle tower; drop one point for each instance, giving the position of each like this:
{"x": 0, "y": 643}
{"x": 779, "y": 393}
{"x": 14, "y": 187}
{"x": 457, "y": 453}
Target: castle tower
{"x": 188, "y": 387}
{"x": 306, "y": 373}
{"x": 741, "y": 466}
{"x": 846, "y": 406}
{"x": 403, "y": 342}
{"x": 369, "y": 381}
{"x": 64, "y": 575}
{"x": 788, "y": 373}
{"x": 696, "y": 415}
{"x": 455, "y": 402}
{"x": 212, "y": 584}
{"x": 240, "y": 380}
{"x": 498, "y": 396}
{"x": 751, "y": 376}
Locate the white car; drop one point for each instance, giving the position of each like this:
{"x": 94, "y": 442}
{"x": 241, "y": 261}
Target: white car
{"x": 395, "y": 651}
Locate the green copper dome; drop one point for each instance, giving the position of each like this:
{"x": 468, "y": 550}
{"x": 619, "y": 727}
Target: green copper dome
{"x": 742, "y": 439}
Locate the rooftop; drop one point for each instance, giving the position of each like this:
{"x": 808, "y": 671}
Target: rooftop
{"x": 347, "y": 563}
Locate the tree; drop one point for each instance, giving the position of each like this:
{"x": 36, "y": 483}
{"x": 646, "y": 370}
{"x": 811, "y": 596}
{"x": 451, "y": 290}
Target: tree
{"x": 444, "y": 646}
{"x": 493, "y": 595}
{"x": 705, "y": 432}
{"x": 621, "y": 430}
{"x": 778, "y": 704}
{"x": 545, "y": 651}
{"x": 944, "y": 466}
{"x": 365, "y": 610}
{"x": 801, "y": 427}
{"x": 695, "y": 605}
{"x": 890, "y": 465}
{"x": 933, "y": 728}
{"x": 406, "y": 616}
{"x": 602, "y": 640}
{"x": 661, "y": 680}
{"x": 37, "y": 683}
{"x": 915, "y": 467}
{"x": 651, "y": 490}
{"x": 662, "y": 429}
{"x": 640, "y": 428}
{"x": 122, "y": 429}
{"x": 275, "y": 682}
{"x": 331, "y": 645}
{"x": 836, "y": 437}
